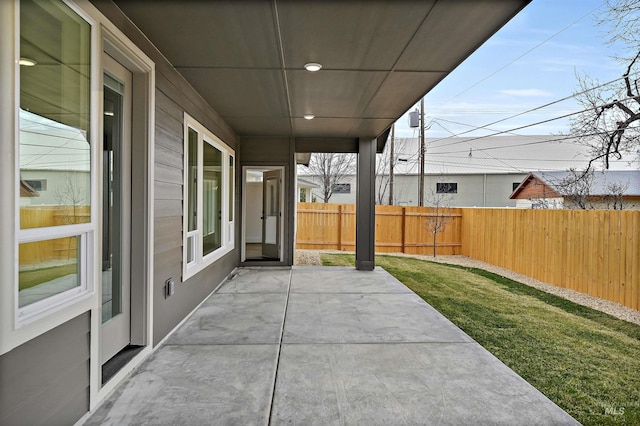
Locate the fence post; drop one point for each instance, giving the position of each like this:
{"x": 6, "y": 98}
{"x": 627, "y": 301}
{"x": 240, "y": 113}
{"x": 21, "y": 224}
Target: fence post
{"x": 340, "y": 227}
{"x": 404, "y": 215}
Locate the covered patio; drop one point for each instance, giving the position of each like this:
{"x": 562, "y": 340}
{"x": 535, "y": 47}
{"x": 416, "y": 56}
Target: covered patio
{"x": 320, "y": 345}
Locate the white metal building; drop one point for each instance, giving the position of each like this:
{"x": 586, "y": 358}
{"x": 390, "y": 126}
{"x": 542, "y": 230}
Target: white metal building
{"x": 474, "y": 172}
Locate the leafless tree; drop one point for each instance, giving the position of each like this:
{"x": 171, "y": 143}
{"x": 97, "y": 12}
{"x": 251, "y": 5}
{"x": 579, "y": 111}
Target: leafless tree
{"x": 330, "y": 169}
{"x": 440, "y": 217}
{"x": 613, "y": 198}
{"x": 576, "y": 189}
{"x": 610, "y": 123}
{"x": 383, "y": 180}
{"x": 70, "y": 195}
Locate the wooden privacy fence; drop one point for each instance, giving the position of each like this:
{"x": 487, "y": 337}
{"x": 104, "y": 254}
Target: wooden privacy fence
{"x": 596, "y": 252}
{"x": 398, "y": 229}
{"x": 52, "y": 249}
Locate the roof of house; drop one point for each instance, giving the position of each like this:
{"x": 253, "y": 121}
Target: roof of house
{"x": 496, "y": 155}
{"x": 26, "y": 190}
{"x": 307, "y": 184}
{"x": 602, "y": 181}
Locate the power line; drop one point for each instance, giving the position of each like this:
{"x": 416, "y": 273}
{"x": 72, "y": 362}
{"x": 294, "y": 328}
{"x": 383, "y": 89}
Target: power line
{"x": 524, "y": 126}
{"x": 524, "y": 54}
{"x": 539, "y": 108}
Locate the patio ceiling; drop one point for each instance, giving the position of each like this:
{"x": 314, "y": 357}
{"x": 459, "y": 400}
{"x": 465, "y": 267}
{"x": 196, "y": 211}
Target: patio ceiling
{"x": 246, "y": 58}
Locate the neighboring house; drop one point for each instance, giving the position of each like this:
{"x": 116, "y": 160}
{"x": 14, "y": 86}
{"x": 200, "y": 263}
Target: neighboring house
{"x": 305, "y": 190}
{"x": 604, "y": 189}
{"x": 474, "y": 172}
{"x": 150, "y": 121}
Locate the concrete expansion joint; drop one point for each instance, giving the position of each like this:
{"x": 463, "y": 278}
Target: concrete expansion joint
{"x": 275, "y": 375}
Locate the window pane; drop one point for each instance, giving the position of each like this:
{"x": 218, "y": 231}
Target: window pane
{"x": 231, "y": 187}
{"x": 212, "y": 199}
{"x": 47, "y": 268}
{"x": 192, "y": 180}
{"x": 447, "y": 188}
{"x": 55, "y": 46}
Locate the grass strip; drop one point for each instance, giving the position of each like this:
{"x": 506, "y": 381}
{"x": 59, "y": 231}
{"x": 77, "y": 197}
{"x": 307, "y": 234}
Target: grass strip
{"x": 36, "y": 277}
{"x": 584, "y": 360}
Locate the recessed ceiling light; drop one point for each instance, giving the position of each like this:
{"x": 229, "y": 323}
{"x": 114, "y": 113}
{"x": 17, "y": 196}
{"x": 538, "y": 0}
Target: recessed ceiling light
{"x": 309, "y": 116}
{"x": 313, "y": 66}
{"x": 27, "y": 62}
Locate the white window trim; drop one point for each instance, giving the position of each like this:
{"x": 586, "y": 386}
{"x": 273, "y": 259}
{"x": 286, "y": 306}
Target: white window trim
{"x": 62, "y": 301}
{"x": 195, "y": 237}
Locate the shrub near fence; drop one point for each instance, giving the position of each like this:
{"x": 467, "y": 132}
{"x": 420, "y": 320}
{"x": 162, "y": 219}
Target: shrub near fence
{"x": 596, "y": 252}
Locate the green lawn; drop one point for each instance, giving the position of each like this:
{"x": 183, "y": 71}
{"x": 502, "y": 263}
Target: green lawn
{"x": 35, "y": 277}
{"x": 585, "y": 361}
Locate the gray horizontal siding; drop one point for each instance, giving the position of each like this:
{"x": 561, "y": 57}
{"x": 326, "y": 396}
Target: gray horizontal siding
{"x": 169, "y": 123}
{"x": 168, "y": 191}
{"x": 169, "y": 141}
{"x": 168, "y": 157}
{"x": 174, "y": 96}
{"x": 168, "y": 174}
{"x": 46, "y": 380}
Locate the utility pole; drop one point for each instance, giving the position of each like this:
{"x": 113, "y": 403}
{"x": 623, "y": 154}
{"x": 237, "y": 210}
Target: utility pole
{"x": 422, "y": 152}
{"x": 391, "y": 148}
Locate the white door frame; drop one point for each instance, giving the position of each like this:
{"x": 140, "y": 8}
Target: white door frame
{"x": 115, "y": 334}
{"x": 243, "y": 255}
{"x": 108, "y": 38}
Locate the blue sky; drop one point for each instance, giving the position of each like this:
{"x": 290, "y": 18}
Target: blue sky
{"x": 481, "y": 91}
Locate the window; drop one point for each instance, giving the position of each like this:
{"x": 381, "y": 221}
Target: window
{"x": 515, "y": 186}
{"x": 209, "y": 195}
{"x": 37, "y": 185}
{"x": 342, "y": 188}
{"x": 446, "y": 188}
{"x": 54, "y": 152}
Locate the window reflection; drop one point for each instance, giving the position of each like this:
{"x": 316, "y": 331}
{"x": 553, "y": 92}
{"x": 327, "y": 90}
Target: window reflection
{"x": 212, "y": 199}
{"x": 47, "y": 268}
{"x": 54, "y": 115}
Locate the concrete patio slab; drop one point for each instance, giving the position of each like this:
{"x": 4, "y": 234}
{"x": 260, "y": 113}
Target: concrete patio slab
{"x": 195, "y": 385}
{"x": 234, "y": 319}
{"x": 366, "y": 318}
{"x": 404, "y": 384}
{"x": 349, "y": 347}
{"x": 338, "y": 279}
{"x": 257, "y": 280}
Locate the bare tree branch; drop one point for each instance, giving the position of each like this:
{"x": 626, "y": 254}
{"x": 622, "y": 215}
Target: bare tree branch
{"x": 612, "y": 111}
{"x": 330, "y": 169}
{"x": 437, "y": 221}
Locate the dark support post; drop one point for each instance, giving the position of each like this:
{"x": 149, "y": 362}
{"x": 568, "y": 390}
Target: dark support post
{"x": 365, "y": 205}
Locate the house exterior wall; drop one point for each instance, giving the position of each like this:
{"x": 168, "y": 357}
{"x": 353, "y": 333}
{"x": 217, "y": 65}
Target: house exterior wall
{"x": 56, "y": 179}
{"x": 534, "y": 188}
{"x": 628, "y": 203}
{"x": 46, "y": 380}
{"x": 174, "y": 96}
{"x": 478, "y": 190}
{"x": 47, "y": 376}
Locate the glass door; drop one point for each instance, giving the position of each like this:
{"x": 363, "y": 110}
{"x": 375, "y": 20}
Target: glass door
{"x": 271, "y": 214}
{"x": 116, "y": 210}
